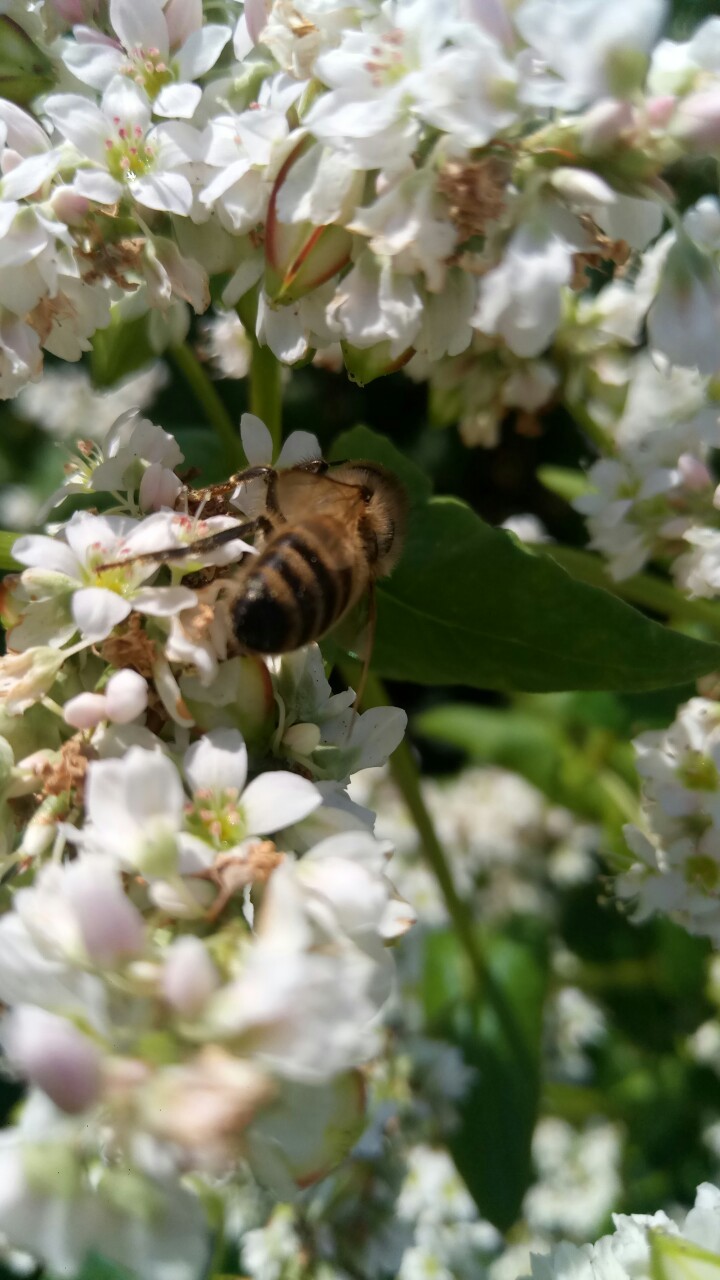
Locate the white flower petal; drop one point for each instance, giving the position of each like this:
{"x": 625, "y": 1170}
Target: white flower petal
{"x": 178, "y": 100}
{"x": 300, "y": 446}
{"x": 98, "y": 186}
{"x": 201, "y": 51}
{"x": 163, "y": 602}
{"x": 81, "y": 122}
{"x": 169, "y": 192}
{"x": 96, "y": 611}
{"x": 256, "y": 441}
{"x": 94, "y": 64}
{"x": 46, "y": 553}
{"x": 217, "y": 762}
{"x": 277, "y": 800}
{"x": 140, "y": 26}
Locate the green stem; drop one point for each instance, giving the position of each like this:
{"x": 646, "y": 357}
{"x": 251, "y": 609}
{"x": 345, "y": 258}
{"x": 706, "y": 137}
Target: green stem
{"x": 266, "y": 391}
{"x": 265, "y": 375}
{"x": 206, "y": 394}
{"x": 405, "y": 774}
{"x": 643, "y": 589}
{"x": 601, "y": 438}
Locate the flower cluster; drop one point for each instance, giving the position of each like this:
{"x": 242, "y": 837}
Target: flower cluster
{"x": 676, "y": 872}
{"x": 644, "y": 1245}
{"x": 418, "y": 182}
{"x": 193, "y": 952}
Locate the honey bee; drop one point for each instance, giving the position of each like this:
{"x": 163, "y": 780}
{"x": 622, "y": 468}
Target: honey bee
{"x": 325, "y": 534}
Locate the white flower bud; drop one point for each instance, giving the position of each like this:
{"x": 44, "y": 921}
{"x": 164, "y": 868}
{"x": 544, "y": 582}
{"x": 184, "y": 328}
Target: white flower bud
{"x": 110, "y": 926}
{"x": 85, "y": 711}
{"x": 189, "y": 977}
{"x": 159, "y": 487}
{"x": 54, "y": 1055}
{"x": 70, "y": 207}
{"x": 126, "y": 696}
{"x": 302, "y": 739}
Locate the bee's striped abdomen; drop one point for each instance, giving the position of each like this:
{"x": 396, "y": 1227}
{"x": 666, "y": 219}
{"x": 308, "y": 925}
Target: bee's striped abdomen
{"x": 291, "y": 594}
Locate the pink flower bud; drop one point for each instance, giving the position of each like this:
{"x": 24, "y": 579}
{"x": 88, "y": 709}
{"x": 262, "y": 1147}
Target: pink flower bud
{"x": 85, "y": 711}
{"x": 189, "y": 977}
{"x": 300, "y": 256}
{"x": 126, "y": 696}
{"x": 603, "y": 124}
{"x": 110, "y": 926}
{"x": 159, "y": 487}
{"x": 659, "y": 110}
{"x": 53, "y": 1054}
{"x": 72, "y": 11}
{"x": 694, "y": 473}
{"x": 696, "y": 123}
{"x": 69, "y": 207}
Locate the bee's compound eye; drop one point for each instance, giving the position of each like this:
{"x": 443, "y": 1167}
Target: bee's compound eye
{"x": 366, "y": 495}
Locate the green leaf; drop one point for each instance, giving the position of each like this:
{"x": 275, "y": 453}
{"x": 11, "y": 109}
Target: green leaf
{"x": 491, "y": 1145}
{"x": 568, "y": 772}
{"x": 95, "y": 1267}
{"x": 468, "y": 605}
{"x": 203, "y": 452}
{"x": 7, "y": 541}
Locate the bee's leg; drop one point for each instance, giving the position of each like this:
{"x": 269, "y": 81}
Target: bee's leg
{"x": 247, "y": 530}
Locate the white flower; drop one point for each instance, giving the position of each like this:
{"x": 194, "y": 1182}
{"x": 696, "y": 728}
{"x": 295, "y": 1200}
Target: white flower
{"x": 578, "y": 1177}
{"x": 97, "y": 599}
{"x": 138, "y": 812}
{"x": 594, "y": 48}
{"x": 684, "y": 320}
{"x": 373, "y": 303}
{"x": 521, "y": 298}
{"x": 162, "y": 49}
{"x": 242, "y": 149}
{"x": 415, "y": 60}
{"x": 122, "y": 152}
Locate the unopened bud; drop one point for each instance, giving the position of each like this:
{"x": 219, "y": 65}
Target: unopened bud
{"x": 126, "y": 696}
{"x": 110, "y": 926}
{"x": 695, "y": 475}
{"x": 365, "y": 364}
{"x": 300, "y": 256}
{"x": 659, "y": 110}
{"x": 159, "y": 487}
{"x": 85, "y": 711}
{"x": 696, "y": 123}
{"x": 53, "y": 1054}
{"x": 603, "y": 124}
{"x": 302, "y": 739}
{"x": 189, "y": 977}
{"x": 70, "y": 207}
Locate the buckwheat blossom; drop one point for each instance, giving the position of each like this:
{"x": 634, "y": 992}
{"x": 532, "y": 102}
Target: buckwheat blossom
{"x": 162, "y": 50}
{"x": 119, "y": 150}
{"x": 642, "y": 1242}
{"x": 675, "y": 850}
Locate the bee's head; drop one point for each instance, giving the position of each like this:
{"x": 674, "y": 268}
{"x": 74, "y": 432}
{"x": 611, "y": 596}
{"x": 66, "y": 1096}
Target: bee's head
{"x": 386, "y": 511}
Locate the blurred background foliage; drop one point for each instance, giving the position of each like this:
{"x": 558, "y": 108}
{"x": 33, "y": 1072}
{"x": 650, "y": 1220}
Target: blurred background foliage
{"x": 654, "y": 1072}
